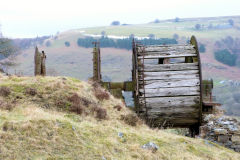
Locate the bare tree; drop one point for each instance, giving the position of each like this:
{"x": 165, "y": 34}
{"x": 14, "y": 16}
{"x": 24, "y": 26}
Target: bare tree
{"x": 7, "y": 54}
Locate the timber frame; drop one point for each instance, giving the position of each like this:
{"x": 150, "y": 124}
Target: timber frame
{"x": 167, "y": 84}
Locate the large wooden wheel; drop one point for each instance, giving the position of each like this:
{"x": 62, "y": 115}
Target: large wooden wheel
{"x": 167, "y": 82}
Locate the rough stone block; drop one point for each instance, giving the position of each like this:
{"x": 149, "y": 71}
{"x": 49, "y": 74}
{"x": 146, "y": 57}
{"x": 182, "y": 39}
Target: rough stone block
{"x": 236, "y": 139}
{"x": 220, "y": 131}
{"x": 223, "y": 138}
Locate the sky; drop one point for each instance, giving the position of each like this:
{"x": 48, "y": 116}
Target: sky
{"x": 31, "y": 18}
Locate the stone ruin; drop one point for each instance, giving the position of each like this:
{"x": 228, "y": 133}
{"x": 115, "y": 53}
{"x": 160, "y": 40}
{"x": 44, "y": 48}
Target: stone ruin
{"x": 222, "y": 130}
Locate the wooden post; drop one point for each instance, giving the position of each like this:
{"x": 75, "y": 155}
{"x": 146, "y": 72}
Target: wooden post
{"x": 43, "y": 64}
{"x": 39, "y": 61}
{"x": 96, "y": 63}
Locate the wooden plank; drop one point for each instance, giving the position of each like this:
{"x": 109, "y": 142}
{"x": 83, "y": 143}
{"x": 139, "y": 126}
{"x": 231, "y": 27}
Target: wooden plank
{"x": 170, "y": 83}
{"x": 167, "y": 52}
{"x": 157, "y": 48}
{"x": 183, "y": 101}
{"x": 168, "y": 67}
{"x": 174, "y": 122}
{"x": 190, "y": 74}
{"x": 174, "y": 111}
{"x": 177, "y": 91}
{"x": 169, "y": 55}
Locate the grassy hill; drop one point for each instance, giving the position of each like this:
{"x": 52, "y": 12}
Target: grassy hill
{"x": 76, "y": 61}
{"x": 64, "y": 118}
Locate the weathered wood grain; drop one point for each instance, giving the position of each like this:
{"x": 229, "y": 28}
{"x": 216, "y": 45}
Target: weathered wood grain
{"x": 183, "y": 101}
{"x": 168, "y": 67}
{"x": 157, "y": 48}
{"x": 168, "y": 52}
{"x": 168, "y": 55}
{"x": 178, "y": 91}
{"x": 170, "y": 83}
{"x": 190, "y": 74}
{"x": 174, "y": 122}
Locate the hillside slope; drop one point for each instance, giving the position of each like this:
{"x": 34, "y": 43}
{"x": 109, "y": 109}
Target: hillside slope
{"x": 64, "y": 118}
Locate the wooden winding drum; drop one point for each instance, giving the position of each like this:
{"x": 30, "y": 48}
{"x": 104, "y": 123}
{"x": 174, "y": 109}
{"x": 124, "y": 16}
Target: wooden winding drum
{"x": 167, "y": 82}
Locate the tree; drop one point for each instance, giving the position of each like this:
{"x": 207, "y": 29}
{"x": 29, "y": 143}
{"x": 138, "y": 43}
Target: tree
{"x": 48, "y": 43}
{"x": 7, "y": 53}
{"x": 210, "y": 26}
{"x": 131, "y": 36}
{"x": 67, "y": 44}
{"x": 156, "y": 21}
{"x": 202, "y": 48}
{"x": 115, "y": 23}
{"x": 231, "y": 22}
{"x": 177, "y": 19}
{"x": 103, "y": 33}
{"x": 176, "y": 36}
{"x": 224, "y": 56}
{"x": 151, "y": 36}
{"x": 197, "y": 26}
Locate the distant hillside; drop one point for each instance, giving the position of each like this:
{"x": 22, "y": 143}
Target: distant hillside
{"x": 64, "y": 118}
{"x": 66, "y": 57}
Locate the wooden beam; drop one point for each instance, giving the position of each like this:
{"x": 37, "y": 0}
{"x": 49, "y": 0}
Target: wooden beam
{"x": 157, "y": 48}
{"x": 190, "y": 74}
{"x": 171, "y": 92}
{"x": 162, "y": 102}
{"x": 168, "y": 67}
{"x": 168, "y": 52}
{"x": 168, "y": 55}
{"x": 171, "y": 83}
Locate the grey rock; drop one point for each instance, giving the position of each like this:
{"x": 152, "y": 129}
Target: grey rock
{"x": 120, "y": 134}
{"x": 151, "y": 146}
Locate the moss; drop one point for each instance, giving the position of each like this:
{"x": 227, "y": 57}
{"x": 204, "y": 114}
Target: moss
{"x": 75, "y": 80}
{"x": 194, "y": 150}
{"x": 16, "y": 79}
{"x": 18, "y": 88}
{"x": 73, "y": 117}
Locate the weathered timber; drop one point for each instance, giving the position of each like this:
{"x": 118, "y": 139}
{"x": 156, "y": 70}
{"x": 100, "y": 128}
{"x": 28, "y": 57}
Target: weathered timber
{"x": 173, "y": 122}
{"x": 171, "y": 92}
{"x": 168, "y": 67}
{"x": 96, "y": 63}
{"x": 171, "y": 83}
{"x": 43, "y": 64}
{"x": 184, "y": 101}
{"x": 190, "y": 74}
{"x": 168, "y": 53}
{"x": 157, "y": 48}
{"x": 39, "y": 63}
{"x": 187, "y": 112}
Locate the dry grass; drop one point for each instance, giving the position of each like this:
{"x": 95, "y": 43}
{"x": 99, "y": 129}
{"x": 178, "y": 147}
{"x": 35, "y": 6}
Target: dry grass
{"x": 100, "y": 93}
{"x": 130, "y": 119}
{"x": 31, "y": 131}
{"x": 5, "y": 91}
{"x": 118, "y": 107}
{"x": 31, "y": 91}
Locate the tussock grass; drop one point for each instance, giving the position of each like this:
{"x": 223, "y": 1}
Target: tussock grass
{"x": 44, "y": 126}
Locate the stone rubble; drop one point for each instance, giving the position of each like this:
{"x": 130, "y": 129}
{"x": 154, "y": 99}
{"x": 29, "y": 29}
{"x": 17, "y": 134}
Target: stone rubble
{"x": 151, "y": 146}
{"x": 222, "y": 130}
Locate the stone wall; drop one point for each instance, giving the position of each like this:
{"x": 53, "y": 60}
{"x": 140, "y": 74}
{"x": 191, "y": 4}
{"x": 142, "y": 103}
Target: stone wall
{"x": 222, "y": 130}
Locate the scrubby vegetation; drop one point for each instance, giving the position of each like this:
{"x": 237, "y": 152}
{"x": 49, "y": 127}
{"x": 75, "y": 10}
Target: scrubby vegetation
{"x": 67, "y": 44}
{"x": 61, "y": 118}
{"x": 227, "y": 50}
{"x": 225, "y": 57}
{"x": 121, "y": 43}
{"x": 202, "y": 48}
